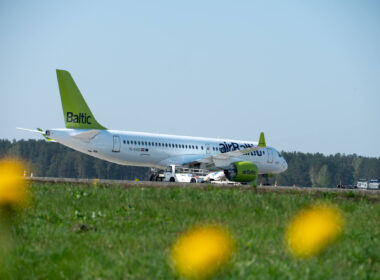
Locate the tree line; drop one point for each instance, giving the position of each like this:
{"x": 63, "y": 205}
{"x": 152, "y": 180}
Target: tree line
{"x": 318, "y": 170}
{"x": 46, "y": 159}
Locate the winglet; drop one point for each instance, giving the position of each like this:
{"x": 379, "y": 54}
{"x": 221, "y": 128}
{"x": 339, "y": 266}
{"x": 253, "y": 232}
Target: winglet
{"x": 262, "y": 140}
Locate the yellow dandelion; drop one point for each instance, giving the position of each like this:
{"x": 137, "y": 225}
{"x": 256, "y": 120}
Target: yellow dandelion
{"x": 202, "y": 251}
{"x": 312, "y": 229}
{"x": 12, "y": 184}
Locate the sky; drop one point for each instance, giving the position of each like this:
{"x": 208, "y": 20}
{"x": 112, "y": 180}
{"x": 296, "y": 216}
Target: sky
{"x": 307, "y": 73}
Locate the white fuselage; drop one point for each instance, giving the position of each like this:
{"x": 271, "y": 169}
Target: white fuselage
{"x": 160, "y": 150}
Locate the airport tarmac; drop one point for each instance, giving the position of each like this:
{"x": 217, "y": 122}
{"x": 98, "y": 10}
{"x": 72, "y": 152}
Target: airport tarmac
{"x": 261, "y": 189}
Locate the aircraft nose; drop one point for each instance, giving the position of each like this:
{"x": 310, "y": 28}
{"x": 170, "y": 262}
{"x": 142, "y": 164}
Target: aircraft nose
{"x": 284, "y": 165}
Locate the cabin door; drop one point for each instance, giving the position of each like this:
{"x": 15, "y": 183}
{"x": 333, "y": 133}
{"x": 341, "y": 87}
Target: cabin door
{"x": 270, "y": 155}
{"x": 207, "y": 149}
{"x": 116, "y": 144}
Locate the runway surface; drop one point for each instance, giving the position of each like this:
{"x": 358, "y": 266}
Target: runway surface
{"x": 262, "y": 189}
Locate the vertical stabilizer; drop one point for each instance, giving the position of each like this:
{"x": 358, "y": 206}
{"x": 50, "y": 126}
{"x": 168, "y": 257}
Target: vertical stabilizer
{"x": 262, "y": 140}
{"x": 75, "y": 110}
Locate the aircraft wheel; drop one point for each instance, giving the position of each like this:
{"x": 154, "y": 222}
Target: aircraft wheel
{"x": 172, "y": 179}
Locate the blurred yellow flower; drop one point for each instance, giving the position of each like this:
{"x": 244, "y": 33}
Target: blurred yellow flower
{"x": 312, "y": 229}
{"x": 202, "y": 251}
{"x": 12, "y": 184}
{"x": 95, "y": 182}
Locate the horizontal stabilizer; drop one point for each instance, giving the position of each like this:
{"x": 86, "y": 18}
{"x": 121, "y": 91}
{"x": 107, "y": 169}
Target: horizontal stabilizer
{"x": 38, "y": 130}
{"x": 30, "y": 130}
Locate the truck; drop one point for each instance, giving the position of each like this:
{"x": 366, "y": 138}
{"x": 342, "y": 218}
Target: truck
{"x": 372, "y": 184}
{"x": 175, "y": 173}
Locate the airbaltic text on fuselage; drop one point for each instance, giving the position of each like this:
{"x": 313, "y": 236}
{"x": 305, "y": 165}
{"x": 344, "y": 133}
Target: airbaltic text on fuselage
{"x": 228, "y": 147}
{"x": 80, "y": 118}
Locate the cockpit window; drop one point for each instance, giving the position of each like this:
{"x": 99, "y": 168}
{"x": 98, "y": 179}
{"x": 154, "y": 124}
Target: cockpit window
{"x": 279, "y": 155}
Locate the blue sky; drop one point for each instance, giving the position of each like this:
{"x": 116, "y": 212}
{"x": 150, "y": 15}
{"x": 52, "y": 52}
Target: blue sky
{"x": 307, "y": 73}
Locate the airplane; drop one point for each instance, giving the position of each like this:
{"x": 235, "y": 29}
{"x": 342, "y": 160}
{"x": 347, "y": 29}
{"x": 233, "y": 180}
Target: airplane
{"x": 241, "y": 161}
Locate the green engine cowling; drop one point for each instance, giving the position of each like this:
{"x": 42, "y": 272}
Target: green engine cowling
{"x": 242, "y": 171}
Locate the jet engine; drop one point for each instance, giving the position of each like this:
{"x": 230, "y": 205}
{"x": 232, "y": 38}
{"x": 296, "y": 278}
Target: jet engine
{"x": 241, "y": 171}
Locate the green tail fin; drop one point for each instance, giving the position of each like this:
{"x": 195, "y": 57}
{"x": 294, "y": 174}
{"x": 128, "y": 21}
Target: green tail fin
{"x": 262, "y": 140}
{"x": 75, "y": 110}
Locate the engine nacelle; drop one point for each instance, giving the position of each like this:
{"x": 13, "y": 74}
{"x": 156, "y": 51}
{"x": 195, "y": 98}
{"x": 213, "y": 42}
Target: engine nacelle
{"x": 241, "y": 171}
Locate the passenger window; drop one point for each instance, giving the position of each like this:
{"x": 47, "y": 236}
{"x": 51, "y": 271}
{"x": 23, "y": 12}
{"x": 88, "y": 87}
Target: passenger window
{"x": 193, "y": 147}
{"x": 166, "y": 144}
{"x": 138, "y": 142}
{"x": 124, "y": 141}
{"x": 202, "y": 147}
{"x": 196, "y": 147}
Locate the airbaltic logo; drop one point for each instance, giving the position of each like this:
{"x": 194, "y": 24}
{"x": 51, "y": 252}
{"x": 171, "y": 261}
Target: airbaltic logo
{"x": 228, "y": 147}
{"x": 248, "y": 172}
{"x": 80, "y": 118}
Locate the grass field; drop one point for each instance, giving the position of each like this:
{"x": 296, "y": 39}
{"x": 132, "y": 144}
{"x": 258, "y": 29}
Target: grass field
{"x": 86, "y": 232}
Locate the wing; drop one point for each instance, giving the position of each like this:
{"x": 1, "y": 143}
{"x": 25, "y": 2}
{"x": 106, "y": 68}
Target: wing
{"x": 223, "y": 159}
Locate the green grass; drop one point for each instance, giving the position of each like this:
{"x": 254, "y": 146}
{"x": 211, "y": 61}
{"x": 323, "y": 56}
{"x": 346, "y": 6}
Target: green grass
{"x": 79, "y": 232}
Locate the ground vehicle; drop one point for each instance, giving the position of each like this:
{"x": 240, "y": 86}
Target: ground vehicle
{"x": 175, "y": 173}
{"x": 156, "y": 175}
{"x": 346, "y": 186}
{"x": 372, "y": 184}
{"x": 362, "y": 184}
{"x": 215, "y": 176}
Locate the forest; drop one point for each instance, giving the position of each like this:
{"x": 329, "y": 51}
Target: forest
{"x": 46, "y": 159}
